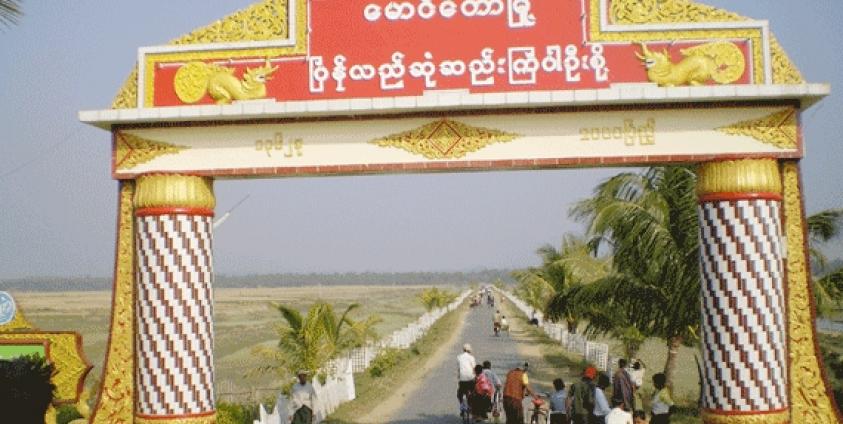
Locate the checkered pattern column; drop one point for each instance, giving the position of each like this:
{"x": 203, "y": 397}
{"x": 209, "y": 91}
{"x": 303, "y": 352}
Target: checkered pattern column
{"x": 743, "y": 308}
{"x": 174, "y": 334}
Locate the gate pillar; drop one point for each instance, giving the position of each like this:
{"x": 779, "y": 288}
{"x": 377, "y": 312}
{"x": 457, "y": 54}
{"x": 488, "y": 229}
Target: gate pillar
{"x": 744, "y": 324}
{"x": 174, "y": 374}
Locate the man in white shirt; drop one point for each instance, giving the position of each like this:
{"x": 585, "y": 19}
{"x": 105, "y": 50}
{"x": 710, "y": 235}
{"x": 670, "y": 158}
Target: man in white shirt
{"x": 465, "y": 372}
{"x": 302, "y": 400}
{"x": 617, "y": 415}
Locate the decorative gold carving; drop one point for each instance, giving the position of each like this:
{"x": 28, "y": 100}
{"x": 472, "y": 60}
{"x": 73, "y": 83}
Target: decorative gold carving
{"x": 131, "y": 150}
{"x": 809, "y": 399}
{"x": 722, "y": 62}
{"x": 204, "y": 419}
{"x": 65, "y": 352}
{"x": 263, "y": 21}
{"x": 709, "y": 417}
{"x": 739, "y": 176}
{"x": 17, "y": 323}
{"x": 639, "y": 12}
{"x": 784, "y": 71}
{"x": 127, "y": 97}
{"x": 632, "y": 12}
{"x": 173, "y": 190}
{"x": 445, "y": 139}
{"x": 194, "y": 79}
{"x": 778, "y": 129}
{"x": 267, "y": 20}
{"x": 116, "y": 400}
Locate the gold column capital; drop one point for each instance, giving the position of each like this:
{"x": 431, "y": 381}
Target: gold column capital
{"x": 174, "y": 192}
{"x": 740, "y": 177}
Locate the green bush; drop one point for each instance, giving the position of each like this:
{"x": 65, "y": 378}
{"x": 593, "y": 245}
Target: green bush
{"x": 237, "y": 413}
{"x": 66, "y": 414}
{"x": 385, "y": 360}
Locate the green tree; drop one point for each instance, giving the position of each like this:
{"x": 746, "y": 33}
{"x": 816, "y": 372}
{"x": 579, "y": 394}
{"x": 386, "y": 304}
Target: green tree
{"x": 649, "y": 222}
{"x": 10, "y": 12}
{"x": 308, "y": 341}
{"x": 571, "y": 266}
{"x": 435, "y": 297}
{"x": 828, "y": 284}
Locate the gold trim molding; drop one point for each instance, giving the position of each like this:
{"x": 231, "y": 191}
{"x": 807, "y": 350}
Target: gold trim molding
{"x": 709, "y": 417}
{"x": 778, "y": 129}
{"x": 809, "y": 399}
{"x": 445, "y": 139}
{"x": 116, "y": 400}
{"x": 739, "y": 176}
{"x": 174, "y": 190}
{"x": 65, "y": 352}
{"x": 204, "y": 419}
{"x": 131, "y": 150}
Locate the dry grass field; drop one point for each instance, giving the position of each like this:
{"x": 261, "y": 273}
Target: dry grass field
{"x": 243, "y": 320}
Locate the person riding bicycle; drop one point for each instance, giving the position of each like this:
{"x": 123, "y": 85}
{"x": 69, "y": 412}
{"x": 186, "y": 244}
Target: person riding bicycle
{"x": 465, "y": 374}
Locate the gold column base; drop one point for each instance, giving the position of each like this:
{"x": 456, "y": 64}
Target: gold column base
{"x": 208, "y": 418}
{"x": 725, "y": 417}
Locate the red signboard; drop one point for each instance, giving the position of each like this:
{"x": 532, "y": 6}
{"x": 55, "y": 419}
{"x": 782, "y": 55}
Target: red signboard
{"x": 377, "y": 48}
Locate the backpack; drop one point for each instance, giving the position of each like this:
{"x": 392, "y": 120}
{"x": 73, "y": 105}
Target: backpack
{"x": 583, "y": 398}
{"x": 483, "y": 386}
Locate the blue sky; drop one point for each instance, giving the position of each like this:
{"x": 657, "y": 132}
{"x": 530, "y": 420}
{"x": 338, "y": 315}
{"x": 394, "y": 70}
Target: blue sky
{"x": 58, "y": 202}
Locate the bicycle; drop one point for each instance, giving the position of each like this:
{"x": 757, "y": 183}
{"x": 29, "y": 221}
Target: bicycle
{"x": 465, "y": 410}
{"x": 539, "y": 414}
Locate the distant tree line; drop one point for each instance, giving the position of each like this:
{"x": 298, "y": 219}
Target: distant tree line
{"x": 51, "y": 284}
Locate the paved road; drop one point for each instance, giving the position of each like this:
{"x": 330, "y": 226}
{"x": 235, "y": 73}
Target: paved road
{"x": 436, "y": 400}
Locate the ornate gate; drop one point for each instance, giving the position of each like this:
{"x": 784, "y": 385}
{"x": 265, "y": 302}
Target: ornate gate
{"x": 289, "y": 88}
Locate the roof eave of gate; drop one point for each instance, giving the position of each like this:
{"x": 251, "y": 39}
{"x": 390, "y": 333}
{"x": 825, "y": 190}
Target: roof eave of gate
{"x": 444, "y": 100}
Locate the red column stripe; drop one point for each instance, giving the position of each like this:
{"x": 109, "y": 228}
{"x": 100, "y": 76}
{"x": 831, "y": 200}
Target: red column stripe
{"x": 720, "y": 197}
{"x": 174, "y": 211}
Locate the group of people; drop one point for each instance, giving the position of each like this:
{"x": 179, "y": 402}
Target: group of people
{"x": 499, "y": 323}
{"x": 480, "y": 390}
{"x": 585, "y": 402}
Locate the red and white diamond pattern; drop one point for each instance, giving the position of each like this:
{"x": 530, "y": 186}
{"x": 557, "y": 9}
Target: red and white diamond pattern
{"x": 174, "y": 346}
{"x": 743, "y": 306}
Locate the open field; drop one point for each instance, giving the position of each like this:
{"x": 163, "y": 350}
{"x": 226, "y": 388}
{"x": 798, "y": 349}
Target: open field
{"x": 243, "y": 320}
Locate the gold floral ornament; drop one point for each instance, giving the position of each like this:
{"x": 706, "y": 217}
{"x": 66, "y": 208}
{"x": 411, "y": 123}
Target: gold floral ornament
{"x": 723, "y": 62}
{"x": 445, "y": 139}
{"x": 131, "y": 150}
{"x": 263, "y": 21}
{"x": 631, "y": 12}
{"x": 777, "y": 129}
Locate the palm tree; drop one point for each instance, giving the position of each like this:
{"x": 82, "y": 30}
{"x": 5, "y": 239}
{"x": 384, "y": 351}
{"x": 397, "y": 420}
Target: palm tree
{"x": 561, "y": 270}
{"x": 310, "y": 341}
{"x": 434, "y": 297}
{"x": 10, "y": 11}
{"x": 649, "y": 221}
{"x": 828, "y": 285}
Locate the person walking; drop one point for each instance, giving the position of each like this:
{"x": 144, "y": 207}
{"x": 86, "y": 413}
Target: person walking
{"x": 517, "y": 384}
{"x": 617, "y": 415}
{"x": 465, "y": 374}
{"x": 662, "y": 401}
{"x": 581, "y": 397}
{"x": 559, "y": 403}
{"x": 303, "y": 400}
{"x": 601, "y": 404}
{"x": 623, "y": 388}
{"x": 636, "y": 374}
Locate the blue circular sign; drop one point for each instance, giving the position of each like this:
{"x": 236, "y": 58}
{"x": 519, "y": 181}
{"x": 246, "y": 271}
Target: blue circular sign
{"x": 7, "y": 308}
